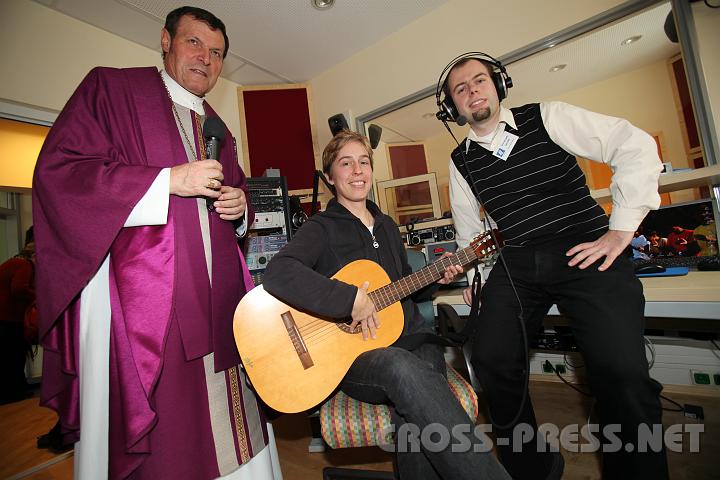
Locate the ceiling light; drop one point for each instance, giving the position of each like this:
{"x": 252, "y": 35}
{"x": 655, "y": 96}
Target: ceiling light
{"x": 557, "y": 68}
{"x": 630, "y": 40}
{"x": 322, "y": 4}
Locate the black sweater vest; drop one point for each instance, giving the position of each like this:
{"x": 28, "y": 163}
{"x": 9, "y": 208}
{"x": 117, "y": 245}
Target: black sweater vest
{"x": 539, "y": 193}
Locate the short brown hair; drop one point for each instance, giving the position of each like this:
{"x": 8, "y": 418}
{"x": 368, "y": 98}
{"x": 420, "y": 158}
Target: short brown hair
{"x": 446, "y": 85}
{"x": 342, "y": 138}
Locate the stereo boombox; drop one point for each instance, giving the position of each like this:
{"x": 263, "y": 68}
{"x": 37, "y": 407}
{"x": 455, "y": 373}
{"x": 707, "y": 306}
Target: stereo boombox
{"x": 430, "y": 235}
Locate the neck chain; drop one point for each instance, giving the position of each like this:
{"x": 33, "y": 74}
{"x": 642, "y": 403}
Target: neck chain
{"x": 371, "y": 229}
{"x": 375, "y": 242}
{"x": 194, "y": 115}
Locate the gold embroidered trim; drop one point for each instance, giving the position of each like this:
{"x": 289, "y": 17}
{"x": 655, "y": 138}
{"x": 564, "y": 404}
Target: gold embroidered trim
{"x": 238, "y": 415}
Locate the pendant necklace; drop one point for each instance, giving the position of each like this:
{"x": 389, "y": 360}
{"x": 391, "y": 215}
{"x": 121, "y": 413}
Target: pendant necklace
{"x": 375, "y": 243}
{"x": 198, "y": 127}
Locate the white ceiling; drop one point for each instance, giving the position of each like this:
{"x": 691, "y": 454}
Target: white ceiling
{"x": 591, "y": 58}
{"x": 271, "y": 41}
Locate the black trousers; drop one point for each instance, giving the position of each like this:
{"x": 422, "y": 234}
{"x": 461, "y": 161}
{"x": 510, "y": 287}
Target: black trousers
{"x": 606, "y": 314}
{"x": 415, "y": 386}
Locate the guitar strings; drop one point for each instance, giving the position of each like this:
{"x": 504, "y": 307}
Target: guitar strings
{"x": 310, "y": 333}
{"x": 323, "y": 336}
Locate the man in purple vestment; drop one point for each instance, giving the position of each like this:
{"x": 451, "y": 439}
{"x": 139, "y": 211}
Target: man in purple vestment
{"x": 140, "y": 277}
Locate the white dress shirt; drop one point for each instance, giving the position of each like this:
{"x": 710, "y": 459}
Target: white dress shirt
{"x": 628, "y": 151}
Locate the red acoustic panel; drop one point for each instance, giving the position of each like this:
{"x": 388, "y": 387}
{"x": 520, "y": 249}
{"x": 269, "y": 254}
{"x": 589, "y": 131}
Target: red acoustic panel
{"x": 279, "y": 134}
{"x": 408, "y": 161}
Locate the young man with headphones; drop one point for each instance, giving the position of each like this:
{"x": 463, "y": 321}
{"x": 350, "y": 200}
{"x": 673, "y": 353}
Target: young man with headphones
{"x": 520, "y": 166}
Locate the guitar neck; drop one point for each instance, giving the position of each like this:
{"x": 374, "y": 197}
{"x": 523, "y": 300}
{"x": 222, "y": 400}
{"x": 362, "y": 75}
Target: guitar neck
{"x": 391, "y": 293}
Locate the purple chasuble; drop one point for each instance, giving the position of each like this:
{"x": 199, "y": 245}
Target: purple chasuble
{"x": 108, "y": 144}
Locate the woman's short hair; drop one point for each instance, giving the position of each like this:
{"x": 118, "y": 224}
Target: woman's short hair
{"x": 342, "y": 138}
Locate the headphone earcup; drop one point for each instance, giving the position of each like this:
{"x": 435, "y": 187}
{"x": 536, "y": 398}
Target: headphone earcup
{"x": 500, "y": 86}
{"x": 448, "y": 109}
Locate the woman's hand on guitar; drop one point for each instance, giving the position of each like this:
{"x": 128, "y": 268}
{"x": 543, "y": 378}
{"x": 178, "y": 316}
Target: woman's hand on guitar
{"x": 451, "y": 271}
{"x": 364, "y": 313}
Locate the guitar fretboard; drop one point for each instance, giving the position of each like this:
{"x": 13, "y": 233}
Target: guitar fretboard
{"x": 391, "y": 293}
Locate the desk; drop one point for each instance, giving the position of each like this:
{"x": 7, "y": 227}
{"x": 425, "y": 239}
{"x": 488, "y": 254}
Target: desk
{"x": 695, "y": 295}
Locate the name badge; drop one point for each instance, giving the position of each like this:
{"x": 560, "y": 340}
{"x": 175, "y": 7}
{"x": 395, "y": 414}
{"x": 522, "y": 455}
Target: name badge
{"x": 507, "y": 142}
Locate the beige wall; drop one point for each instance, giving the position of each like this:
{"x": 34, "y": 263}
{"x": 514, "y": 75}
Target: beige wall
{"x": 46, "y": 54}
{"x": 411, "y": 59}
{"x": 645, "y": 97}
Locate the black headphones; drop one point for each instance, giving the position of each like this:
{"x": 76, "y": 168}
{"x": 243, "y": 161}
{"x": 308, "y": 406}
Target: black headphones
{"x": 447, "y": 111}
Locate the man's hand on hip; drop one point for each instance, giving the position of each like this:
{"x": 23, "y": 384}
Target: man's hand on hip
{"x": 609, "y": 246}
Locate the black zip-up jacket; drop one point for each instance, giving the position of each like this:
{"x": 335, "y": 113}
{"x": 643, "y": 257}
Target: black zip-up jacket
{"x": 299, "y": 273}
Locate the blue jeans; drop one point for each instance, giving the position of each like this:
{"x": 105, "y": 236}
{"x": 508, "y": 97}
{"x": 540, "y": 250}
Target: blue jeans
{"x": 415, "y": 386}
{"x": 606, "y": 313}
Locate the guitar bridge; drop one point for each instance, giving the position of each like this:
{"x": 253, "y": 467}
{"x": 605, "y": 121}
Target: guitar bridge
{"x": 297, "y": 340}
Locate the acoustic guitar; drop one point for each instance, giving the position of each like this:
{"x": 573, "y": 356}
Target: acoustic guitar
{"x": 295, "y": 359}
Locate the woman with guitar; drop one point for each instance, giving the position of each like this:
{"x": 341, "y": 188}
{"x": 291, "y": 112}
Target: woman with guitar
{"x": 409, "y": 375}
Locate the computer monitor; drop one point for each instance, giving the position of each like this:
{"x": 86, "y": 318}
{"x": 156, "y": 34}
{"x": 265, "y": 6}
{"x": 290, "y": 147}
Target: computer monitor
{"x": 680, "y": 230}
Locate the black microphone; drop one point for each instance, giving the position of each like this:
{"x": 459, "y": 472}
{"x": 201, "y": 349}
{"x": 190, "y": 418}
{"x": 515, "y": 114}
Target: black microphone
{"x": 461, "y": 120}
{"x": 214, "y": 133}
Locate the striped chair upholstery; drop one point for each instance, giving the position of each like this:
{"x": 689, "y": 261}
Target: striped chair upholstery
{"x": 346, "y": 422}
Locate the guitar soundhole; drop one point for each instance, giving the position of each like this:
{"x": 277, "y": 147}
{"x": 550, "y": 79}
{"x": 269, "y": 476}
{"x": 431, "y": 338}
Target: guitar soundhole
{"x": 345, "y": 327}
